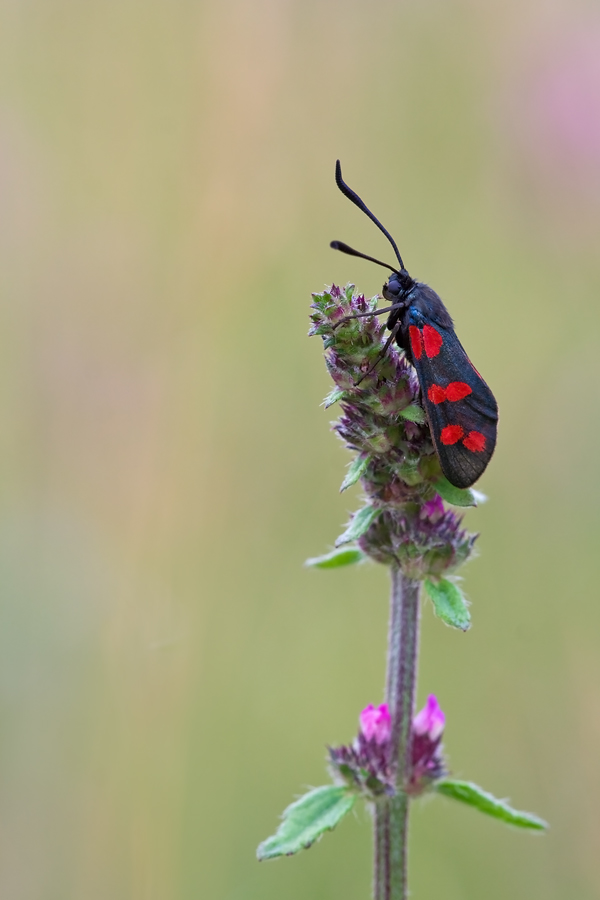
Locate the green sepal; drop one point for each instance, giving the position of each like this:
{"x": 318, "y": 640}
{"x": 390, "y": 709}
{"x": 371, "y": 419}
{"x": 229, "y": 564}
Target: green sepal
{"x": 449, "y": 603}
{"x": 471, "y": 794}
{"x": 414, "y": 414}
{"x": 345, "y": 556}
{"x": 355, "y": 470}
{"x": 456, "y": 496}
{"x": 409, "y": 472}
{"x": 361, "y": 521}
{"x": 332, "y": 397}
{"x": 307, "y": 819}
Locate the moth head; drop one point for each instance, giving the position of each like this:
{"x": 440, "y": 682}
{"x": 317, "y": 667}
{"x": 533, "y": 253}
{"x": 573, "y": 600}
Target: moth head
{"x": 397, "y": 286}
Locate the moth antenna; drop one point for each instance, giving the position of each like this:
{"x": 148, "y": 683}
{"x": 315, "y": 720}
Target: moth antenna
{"x": 353, "y": 196}
{"x": 339, "y": 245}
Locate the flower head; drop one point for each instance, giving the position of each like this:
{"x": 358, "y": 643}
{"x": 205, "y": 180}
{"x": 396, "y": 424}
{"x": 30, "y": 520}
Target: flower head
{"x": 367, "y": 765}
{"x": 421, "y": 546}
{"x": 383, "y": 420}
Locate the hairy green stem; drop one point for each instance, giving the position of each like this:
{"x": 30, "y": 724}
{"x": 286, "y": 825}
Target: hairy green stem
{"x": 382, "y": 839}
{"x": 391, "y": 815}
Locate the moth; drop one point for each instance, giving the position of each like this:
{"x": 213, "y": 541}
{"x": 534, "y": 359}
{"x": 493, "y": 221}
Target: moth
{"x": 461, "y": 409}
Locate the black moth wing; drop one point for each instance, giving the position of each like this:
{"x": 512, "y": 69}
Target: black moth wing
{"x": 476, "y": 414}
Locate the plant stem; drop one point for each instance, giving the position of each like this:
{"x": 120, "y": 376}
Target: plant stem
{"x": 391, "y": 815}
{"x": 381, "y": 876}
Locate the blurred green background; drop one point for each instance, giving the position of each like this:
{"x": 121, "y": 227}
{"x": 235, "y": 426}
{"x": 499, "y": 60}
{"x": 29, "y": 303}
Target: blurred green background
{"x": 169, "y": 673}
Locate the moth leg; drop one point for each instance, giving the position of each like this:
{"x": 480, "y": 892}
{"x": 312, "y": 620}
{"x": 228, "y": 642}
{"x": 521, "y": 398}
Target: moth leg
{"x": 377, "y": 312}
{"x": 384, "y": 350}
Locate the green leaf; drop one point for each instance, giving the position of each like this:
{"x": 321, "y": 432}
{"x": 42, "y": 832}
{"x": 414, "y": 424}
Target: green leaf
{"x": 332, "y": 397}
{"x": 470, "y": 793}
{"x": 355, "y": 470}
{"x": 456, "y": 496}
{"x": 449, "y": 604}
{"x": 414, "y": 413}
{"x": 307, "y": 819}
{"x": 345, "y": 556}
{"x": 361, "y": 521}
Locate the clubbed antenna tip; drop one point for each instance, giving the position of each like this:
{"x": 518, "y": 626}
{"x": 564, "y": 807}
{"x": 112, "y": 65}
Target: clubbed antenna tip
{"x": 344, "y": 248}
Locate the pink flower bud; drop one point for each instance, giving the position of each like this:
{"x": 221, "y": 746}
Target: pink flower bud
{"x": 433, "y": 509}
{"x": 430, "y": 720}
{"x": 375, "y": 723}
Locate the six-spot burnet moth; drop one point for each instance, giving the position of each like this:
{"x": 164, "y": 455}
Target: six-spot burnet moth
{"x": 461, "y": 409}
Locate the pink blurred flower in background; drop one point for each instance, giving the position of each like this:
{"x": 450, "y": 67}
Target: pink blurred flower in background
{"x": 567, "y": 100}
{"x": 551, "y": 126}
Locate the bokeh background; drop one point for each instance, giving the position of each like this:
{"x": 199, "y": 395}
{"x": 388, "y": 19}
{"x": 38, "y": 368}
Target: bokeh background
{"x": 169, "y": 672}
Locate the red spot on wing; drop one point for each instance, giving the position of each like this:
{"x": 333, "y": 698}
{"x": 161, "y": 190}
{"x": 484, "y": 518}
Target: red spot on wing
{"x": 437, "y": 394}
{"x": 475, "y": 441}
{"x": 452, "y": 433}
{"x": 416, "y": 341}
{"x": 457, "y": 390}
{"x": 432, "y": 340}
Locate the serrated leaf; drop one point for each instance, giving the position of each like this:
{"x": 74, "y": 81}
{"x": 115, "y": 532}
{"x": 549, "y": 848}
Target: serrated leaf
{"x": 455, "y": 496}
{"x": 449, "y": 603}
{"x": 355, "y": 470}
{"x": 307, "y": 819}
{"x": 360, "y": 522}
{"x": 470, "y": 793}
{"x": 332, "y": 397}
{"x": 345, "y": 556}
{"x": 414, "y": 414}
